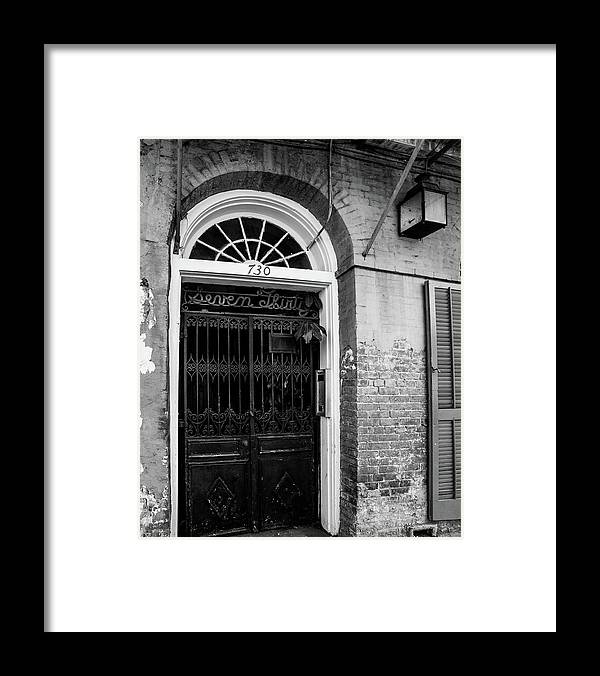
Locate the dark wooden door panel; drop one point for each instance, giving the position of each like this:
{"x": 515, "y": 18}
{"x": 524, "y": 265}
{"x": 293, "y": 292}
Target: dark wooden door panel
{"x": 218, "y": 495}
{"x": 287, "y": 489}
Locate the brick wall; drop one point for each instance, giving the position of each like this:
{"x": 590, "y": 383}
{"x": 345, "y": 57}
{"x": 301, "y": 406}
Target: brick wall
{"x": 382, "y": 321}
{"x": 392, "y": 403}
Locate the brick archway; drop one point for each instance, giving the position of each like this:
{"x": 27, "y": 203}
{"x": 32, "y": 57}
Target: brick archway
{"x": 292, "y": 188}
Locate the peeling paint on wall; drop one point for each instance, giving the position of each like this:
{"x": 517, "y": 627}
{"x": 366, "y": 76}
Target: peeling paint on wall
{"x": 148, "y": 317}
{"x": 146, "y": 304}
{"x": 154, "y": 514}
{"x": 145, "y": 357}
{"x": 154, "y": 503}
{"x": 347, "y": 362}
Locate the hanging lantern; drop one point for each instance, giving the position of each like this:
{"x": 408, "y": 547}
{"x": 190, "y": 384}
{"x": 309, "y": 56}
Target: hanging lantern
{"x": 423, "y": 210}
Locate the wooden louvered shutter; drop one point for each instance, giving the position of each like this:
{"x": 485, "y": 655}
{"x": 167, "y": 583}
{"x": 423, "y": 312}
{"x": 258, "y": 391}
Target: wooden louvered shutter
{"x": 444, "y": 367}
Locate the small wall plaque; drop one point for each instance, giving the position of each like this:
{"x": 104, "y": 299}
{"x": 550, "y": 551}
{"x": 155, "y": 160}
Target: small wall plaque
{"x": 282, "y": 342}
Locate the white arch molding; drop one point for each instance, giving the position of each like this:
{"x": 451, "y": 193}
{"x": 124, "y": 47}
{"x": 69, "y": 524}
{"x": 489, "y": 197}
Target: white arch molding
{"x": 303, "y": 226}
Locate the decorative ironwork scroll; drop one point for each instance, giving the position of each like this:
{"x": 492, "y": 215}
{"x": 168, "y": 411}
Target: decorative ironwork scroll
{"x": 231, "y": 373}
{"x": 258, "y": 300}
{"x": 209, "y": 423}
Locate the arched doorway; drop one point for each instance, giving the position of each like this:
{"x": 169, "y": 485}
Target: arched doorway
{"x": 244, "y": 258}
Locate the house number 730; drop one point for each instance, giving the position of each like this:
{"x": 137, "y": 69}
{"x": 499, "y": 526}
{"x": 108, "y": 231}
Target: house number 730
{"x": 259, "y": 270}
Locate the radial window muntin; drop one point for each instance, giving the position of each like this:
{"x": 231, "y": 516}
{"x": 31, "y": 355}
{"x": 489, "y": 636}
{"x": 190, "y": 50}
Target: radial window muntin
{"x": 250, "y": 240}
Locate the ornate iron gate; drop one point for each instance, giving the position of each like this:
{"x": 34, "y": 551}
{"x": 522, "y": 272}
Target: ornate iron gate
{"x": 247, "y": 421}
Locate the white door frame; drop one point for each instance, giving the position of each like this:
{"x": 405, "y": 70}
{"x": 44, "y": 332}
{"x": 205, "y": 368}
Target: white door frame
{"x": 303, "y": 226}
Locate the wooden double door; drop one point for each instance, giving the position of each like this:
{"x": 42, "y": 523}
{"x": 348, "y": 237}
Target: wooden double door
{"x": 247, "y": 422}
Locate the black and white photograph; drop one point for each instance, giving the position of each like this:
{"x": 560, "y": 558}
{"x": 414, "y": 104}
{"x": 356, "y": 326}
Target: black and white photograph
{"x": 300, "y": 321}
{"x": 300, "y": 310}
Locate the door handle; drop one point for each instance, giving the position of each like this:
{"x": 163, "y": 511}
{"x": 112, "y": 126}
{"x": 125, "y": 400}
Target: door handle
{"x": 244, "y": 443}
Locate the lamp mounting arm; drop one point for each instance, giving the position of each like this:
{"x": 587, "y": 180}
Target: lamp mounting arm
{"x": 397, "y": 189}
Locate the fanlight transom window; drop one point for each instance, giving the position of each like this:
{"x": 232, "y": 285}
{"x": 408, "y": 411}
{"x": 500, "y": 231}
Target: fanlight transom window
{"x": 250, "y": 240}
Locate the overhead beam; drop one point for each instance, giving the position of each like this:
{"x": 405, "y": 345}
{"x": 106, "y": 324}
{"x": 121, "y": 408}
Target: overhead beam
{"x": 392, "y": 199}
{"x": 435, "y": 156}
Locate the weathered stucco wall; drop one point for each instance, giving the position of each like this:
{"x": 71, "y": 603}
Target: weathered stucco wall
{"x": 156, "y": 204}
{"x": 382, "y": 319}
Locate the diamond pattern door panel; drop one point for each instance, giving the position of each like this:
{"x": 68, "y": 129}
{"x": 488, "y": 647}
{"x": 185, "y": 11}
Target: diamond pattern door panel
{"x": 247, "y": 415}
{"x": 218, "y": 497}
{"x": 287, "y": 482}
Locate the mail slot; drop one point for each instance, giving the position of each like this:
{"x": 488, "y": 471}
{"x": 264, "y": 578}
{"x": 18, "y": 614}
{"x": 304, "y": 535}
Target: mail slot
{"x": 320, "y": 392}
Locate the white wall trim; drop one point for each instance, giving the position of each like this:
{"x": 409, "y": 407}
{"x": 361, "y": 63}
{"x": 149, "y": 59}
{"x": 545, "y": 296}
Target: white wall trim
{"x": 303, "y": 226}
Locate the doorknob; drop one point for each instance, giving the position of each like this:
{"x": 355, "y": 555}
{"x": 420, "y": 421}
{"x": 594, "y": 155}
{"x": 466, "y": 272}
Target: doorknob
{"x": 245, "y": 443}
